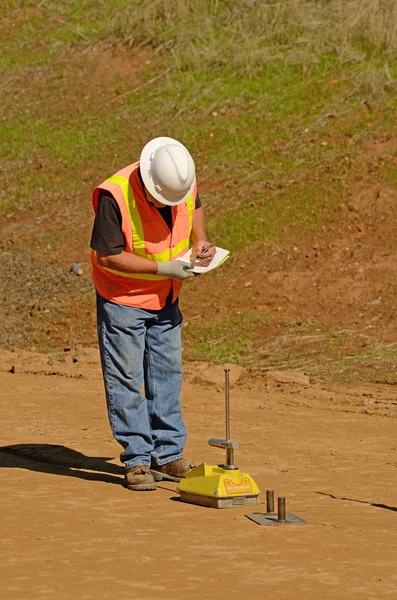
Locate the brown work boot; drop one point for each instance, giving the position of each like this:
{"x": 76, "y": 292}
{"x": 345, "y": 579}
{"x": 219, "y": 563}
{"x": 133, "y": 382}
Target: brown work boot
{"x": 173, "y": 471}
{"x": 139, "y": 479}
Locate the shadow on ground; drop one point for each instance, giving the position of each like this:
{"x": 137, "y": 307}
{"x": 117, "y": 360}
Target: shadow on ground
{"x": 377, "y": 505}
{"x": 60, "y": 460}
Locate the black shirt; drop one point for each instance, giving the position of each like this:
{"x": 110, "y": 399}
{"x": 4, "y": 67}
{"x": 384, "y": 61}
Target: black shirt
{"x": 107, "y": 237}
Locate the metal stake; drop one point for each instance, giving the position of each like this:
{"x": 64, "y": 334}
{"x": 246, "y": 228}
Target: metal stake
{"x": 270, "y": 501}
{"x": 281, "y": 512}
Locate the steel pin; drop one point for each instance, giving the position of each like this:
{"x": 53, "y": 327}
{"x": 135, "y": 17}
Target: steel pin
{"x": 281, "y": 510}
{"x": 270, "y": 501}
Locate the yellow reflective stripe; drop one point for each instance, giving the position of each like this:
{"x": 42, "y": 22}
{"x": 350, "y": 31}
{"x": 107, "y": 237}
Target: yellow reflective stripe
{"x": 160, "y": 257}
{"x": 179, "y": 247}
{"x": 132, "y": 275}
{"x": 184, "y": 244}
{"x": 190, "y": 210}
{"x": 135, "y": 218}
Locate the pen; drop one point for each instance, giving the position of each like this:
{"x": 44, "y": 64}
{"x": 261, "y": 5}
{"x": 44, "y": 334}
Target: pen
{"x": 207, "y": 248}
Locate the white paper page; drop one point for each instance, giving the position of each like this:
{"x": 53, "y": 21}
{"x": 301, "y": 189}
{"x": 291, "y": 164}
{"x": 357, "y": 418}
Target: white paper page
{"x": 220, "y": 255}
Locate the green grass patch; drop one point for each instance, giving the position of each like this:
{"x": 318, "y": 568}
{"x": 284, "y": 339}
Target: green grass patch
{"x": 382, "y": 353}
{"x": 232, "y": 338}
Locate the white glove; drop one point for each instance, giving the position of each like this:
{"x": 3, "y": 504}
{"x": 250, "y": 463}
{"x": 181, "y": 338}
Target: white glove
{"x": 175, "y": 269}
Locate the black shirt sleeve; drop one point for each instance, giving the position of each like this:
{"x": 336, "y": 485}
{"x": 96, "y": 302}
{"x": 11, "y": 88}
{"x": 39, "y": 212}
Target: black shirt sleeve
{"x": 107, "y": 237}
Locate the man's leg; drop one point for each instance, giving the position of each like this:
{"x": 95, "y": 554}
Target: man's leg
{"x": 163, "y": 382}
{"x": 121, "y": 334}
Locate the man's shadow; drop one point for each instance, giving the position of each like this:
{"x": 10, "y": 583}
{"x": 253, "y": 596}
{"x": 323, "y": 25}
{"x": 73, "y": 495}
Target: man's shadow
{"x": 59, "y": 460}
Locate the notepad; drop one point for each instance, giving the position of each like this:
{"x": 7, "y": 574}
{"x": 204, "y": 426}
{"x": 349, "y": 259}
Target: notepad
{"x": 220, "y": 256}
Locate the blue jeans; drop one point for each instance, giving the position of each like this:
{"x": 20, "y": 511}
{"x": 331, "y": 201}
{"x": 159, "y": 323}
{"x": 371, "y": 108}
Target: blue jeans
{"x": 141, "y": 346}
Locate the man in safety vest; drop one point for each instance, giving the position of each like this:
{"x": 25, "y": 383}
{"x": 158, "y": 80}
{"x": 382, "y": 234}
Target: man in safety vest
{"x": 145, "y": 217}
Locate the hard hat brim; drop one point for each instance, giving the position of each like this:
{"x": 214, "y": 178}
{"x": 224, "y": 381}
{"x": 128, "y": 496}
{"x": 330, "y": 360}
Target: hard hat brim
{"x": 146, "y": 153}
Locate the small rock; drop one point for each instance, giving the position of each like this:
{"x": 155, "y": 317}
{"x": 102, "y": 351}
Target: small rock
{"x": 76, "y": 269}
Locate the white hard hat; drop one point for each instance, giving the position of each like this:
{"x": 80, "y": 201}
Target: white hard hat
{"x": 167, "y": 170}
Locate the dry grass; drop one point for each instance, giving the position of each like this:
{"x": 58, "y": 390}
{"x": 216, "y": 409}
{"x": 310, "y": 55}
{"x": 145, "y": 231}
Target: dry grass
{"x": 247, "y": 34}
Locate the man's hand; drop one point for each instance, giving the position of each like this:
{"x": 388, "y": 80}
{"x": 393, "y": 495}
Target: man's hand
{"x": 175, "y": 269}
{"x": 200, "y": 256}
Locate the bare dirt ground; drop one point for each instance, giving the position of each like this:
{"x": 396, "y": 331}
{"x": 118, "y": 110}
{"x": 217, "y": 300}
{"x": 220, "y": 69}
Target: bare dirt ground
{"x": 71, "y": 530}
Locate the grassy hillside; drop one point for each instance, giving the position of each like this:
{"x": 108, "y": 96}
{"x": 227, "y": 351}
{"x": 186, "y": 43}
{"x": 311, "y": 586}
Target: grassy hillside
{"x": 277, "y": 101}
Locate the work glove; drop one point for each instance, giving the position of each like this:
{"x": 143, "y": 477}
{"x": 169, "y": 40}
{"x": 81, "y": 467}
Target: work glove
{"x": 175, "y": 269}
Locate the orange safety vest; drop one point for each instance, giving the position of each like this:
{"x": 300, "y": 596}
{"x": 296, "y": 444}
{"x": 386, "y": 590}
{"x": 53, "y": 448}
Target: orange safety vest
{"x": 146, "y": 234}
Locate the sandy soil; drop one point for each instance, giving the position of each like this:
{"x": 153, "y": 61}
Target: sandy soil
{"x": 71, "y": 530}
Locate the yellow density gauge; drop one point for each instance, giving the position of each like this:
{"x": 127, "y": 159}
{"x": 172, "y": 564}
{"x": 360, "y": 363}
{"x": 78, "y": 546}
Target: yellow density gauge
{"x": 220, "y": 486}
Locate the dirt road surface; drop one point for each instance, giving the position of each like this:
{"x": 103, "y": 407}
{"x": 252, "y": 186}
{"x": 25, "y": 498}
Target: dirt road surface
{"x": 71, "y": 530}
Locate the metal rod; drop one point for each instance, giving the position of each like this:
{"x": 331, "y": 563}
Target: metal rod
{"x": 281, "y": 510}
{"x": 227, "y": 400}
{"x": 223, "y": 443}
{"x": 230, "y": 456}
{"x": 270, "y": 501}
{"x": 229, "y": 451}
